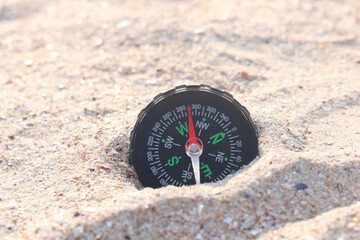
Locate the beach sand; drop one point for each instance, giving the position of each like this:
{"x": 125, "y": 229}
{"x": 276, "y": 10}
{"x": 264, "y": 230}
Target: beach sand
{"x": 75, "y": 74}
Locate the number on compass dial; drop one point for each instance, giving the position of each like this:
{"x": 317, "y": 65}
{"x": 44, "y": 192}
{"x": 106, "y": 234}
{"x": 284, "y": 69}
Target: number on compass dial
{"x": 189, "y": 135}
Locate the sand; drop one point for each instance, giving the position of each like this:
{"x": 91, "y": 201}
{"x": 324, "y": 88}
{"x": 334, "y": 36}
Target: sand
{"x": 75, "y": 74}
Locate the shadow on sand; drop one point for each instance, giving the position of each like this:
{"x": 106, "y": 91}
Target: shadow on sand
{"x": 254, "y": 208}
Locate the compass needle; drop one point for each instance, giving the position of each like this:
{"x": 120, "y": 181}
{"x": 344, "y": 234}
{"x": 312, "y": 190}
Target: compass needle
{"x": 201, "y": 119}
{"x": 194, "y": 148}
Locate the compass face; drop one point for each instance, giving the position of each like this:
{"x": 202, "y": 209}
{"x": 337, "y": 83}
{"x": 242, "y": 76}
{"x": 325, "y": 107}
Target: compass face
{"x": 215, "y": 123}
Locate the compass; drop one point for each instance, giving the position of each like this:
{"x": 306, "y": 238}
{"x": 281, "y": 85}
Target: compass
{"x": 191, "y": 135}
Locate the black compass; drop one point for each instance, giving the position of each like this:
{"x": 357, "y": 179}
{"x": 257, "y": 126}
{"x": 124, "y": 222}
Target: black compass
{"x": 191, "y": 135}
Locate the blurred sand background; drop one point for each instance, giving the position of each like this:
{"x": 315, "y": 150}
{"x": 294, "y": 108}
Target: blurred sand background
{"x": 75, "y": 74}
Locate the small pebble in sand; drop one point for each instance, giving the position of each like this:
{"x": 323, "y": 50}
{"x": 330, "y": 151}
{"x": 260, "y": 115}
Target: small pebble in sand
{"x": 151, "y": 82}
{"x": 54, "y": 54}
{"x": 28, "y": 62}
{"x": 49, "y": 46}
{"x": 301, "y": 186}
{"x": 98, "y": 42}
{"x": 199, "y": 30}
{"x": 245, "y": 74}
{"x": 61, "y": 87}
{"x": 11, "y": 206}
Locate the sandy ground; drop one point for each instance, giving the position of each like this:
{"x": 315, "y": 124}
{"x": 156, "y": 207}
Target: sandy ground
{"x": 75, "y": 74}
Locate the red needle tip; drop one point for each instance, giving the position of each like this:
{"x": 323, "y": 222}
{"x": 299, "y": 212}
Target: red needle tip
{"x": 192, "y": 133}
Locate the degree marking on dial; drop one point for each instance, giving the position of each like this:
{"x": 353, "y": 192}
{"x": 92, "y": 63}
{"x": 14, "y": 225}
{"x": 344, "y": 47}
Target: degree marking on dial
{"x": 216, "y": 115}
{"x": 153, "y": 163}
{"x": 175, "y": 115}
{"x": 161, "y": 175}
{"x": 227, "y": 125}
{"x": 202, "y": 113}
{"x": 163, "y": 123}
{"x": 167, "y": 178}
{"x": 234, "y": 137}
{"x": 236, "y": 151}
{"x": 230, "y": 163}
{"x": 156, "y": 135}
{"x": 170, "y": 120}
{"x": 153, "y": 148}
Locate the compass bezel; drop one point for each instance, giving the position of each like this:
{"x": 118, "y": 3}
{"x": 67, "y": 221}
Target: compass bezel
{"x": 137, "y": 138}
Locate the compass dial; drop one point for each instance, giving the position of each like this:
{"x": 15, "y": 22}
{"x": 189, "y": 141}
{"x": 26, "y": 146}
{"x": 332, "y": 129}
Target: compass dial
{"x": 189, "y": 135}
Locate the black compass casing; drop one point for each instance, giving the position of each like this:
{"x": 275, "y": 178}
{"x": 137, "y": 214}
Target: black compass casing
{"x": 161, "y": 131}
